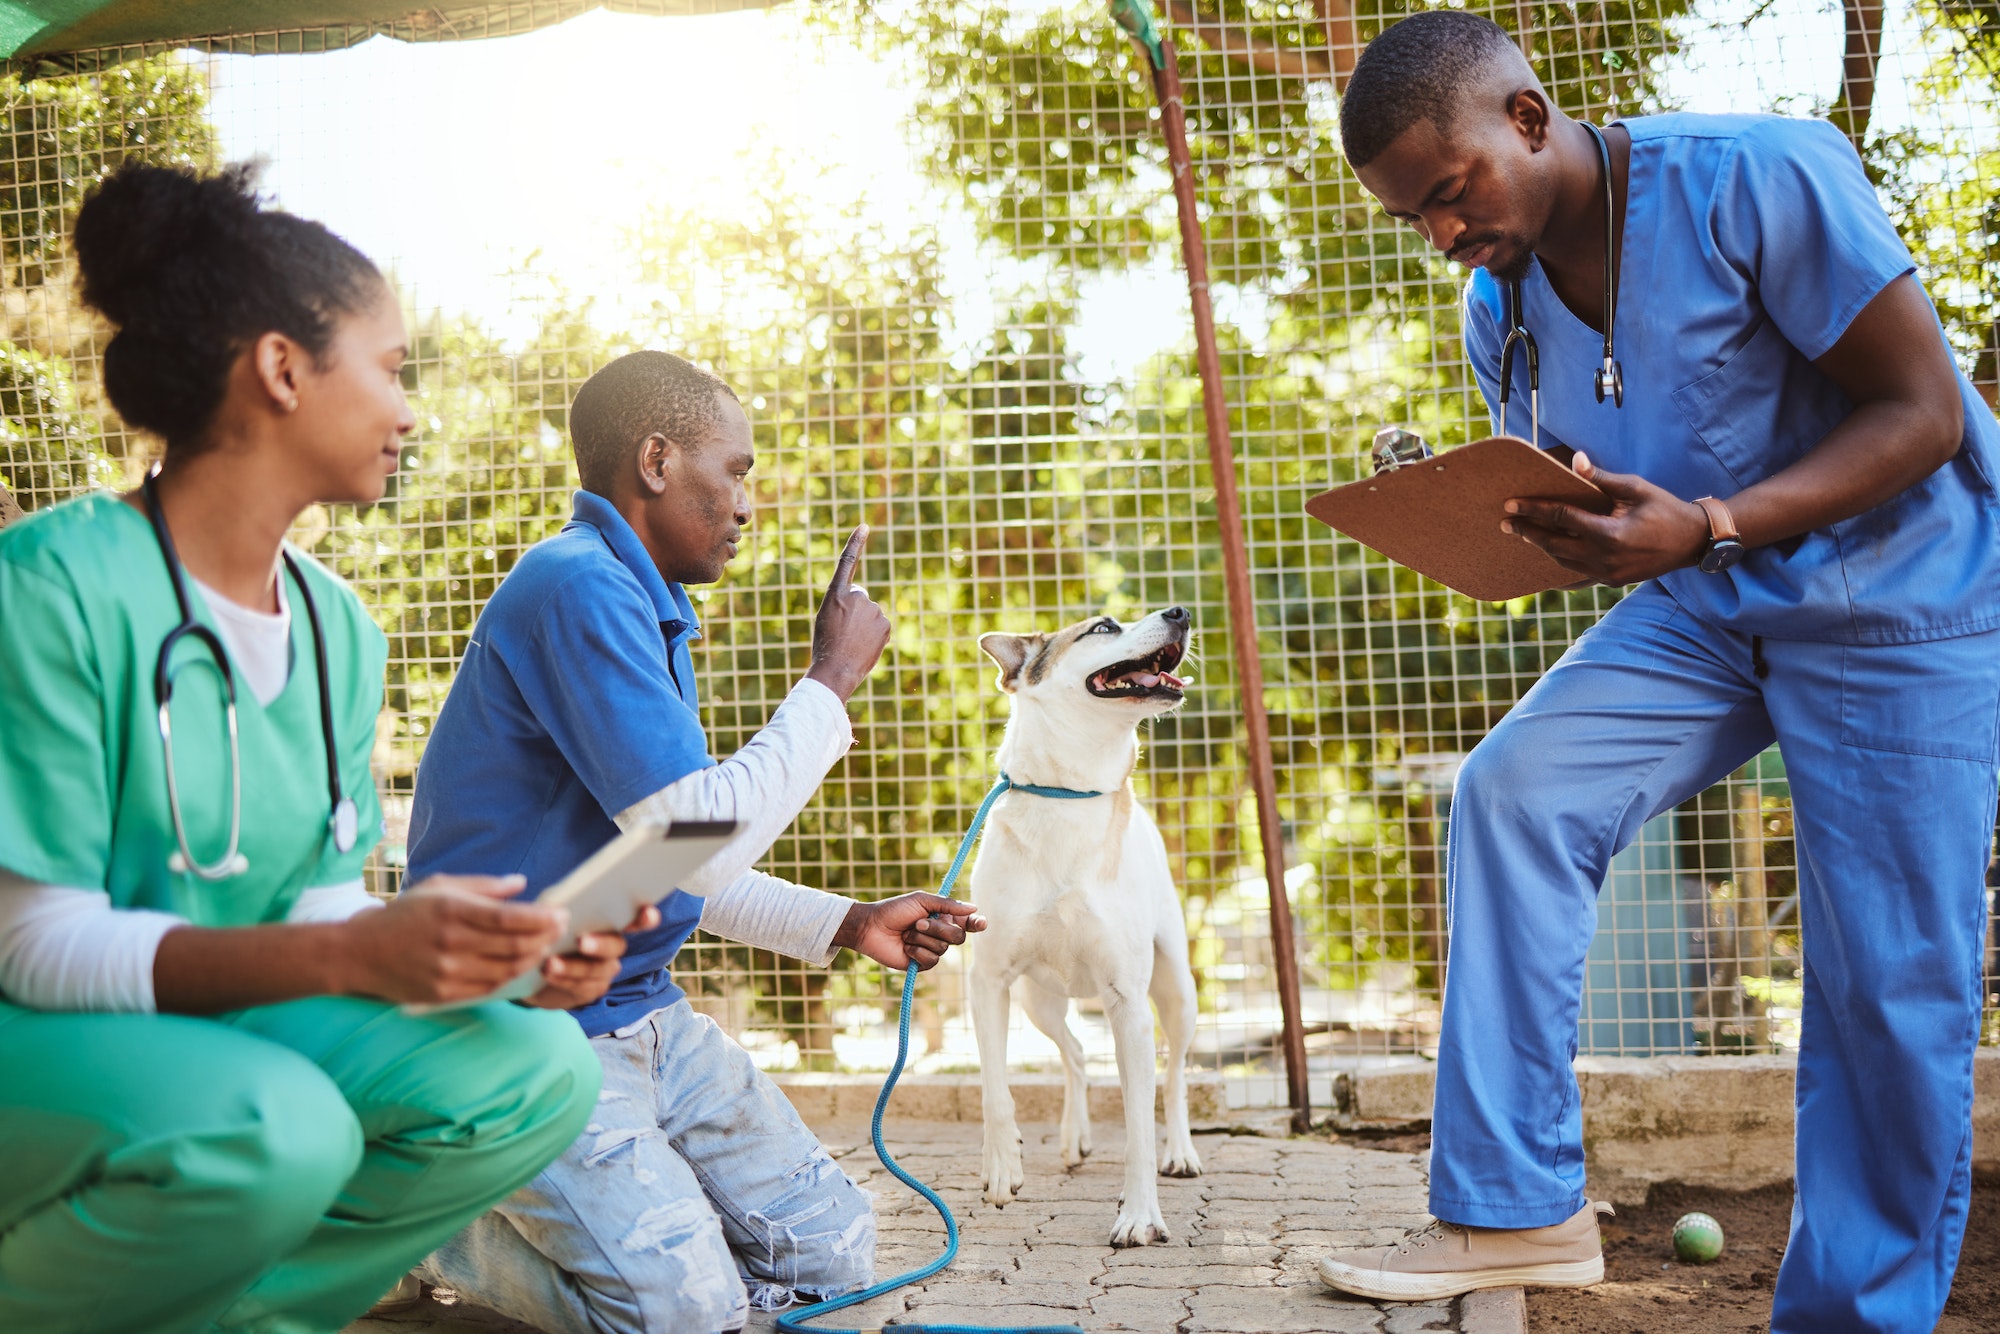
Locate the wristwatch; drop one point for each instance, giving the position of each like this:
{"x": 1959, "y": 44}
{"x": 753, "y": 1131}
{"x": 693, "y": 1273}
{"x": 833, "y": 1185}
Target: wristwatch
{"x": 1725, "y": 547}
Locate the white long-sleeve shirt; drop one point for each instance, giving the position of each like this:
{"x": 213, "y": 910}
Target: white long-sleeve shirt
{"x": 762, "y": 787}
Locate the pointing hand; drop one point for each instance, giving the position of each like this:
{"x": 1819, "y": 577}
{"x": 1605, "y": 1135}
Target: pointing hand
{"x": 850, "y": 631}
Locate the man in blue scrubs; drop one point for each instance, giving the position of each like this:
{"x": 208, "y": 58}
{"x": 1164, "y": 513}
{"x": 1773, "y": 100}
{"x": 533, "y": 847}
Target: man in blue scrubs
{"x": 1837, "y": 591}
{"x": 695, "y": 1192}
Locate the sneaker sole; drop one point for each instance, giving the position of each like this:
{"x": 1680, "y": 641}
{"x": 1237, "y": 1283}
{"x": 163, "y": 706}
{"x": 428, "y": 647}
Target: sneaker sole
{"x": 1434, "y": 1287}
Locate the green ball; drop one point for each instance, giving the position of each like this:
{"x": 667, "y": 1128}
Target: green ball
{"x": 1697, "y": 1238}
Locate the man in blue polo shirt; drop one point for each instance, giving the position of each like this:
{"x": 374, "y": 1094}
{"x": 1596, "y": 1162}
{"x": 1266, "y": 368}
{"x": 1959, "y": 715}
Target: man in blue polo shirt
{"x": 696, "y": 1191}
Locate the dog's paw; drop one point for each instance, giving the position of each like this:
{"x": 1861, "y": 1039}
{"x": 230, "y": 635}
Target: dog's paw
{"x": 1004, "y": 1177}
{"x": 1132, "y": 1229}
{"x": 1075, "y": 1150}
{"x": 1181, "y": 1162}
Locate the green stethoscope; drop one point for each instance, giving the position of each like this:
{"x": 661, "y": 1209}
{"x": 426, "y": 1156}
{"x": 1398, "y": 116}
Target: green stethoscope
{"x": 342, "y": 824}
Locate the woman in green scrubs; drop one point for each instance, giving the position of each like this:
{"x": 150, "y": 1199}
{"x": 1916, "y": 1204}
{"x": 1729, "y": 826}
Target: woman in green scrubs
{"x": 249, "y": 1133}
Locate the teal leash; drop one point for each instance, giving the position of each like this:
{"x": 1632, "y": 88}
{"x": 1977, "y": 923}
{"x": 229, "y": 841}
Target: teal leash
{"x": 793, "y": 1323}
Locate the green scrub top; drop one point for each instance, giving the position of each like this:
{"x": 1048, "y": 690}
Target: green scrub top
{"x": 85, "y": 603}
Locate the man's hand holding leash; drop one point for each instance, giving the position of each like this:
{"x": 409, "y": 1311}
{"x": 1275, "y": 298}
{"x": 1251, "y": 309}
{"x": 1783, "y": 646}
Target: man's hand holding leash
{"x": 910, "y": 928}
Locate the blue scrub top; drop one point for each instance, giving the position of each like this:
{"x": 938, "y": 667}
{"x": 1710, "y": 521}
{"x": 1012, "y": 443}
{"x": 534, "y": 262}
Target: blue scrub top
{"x": 575, "y": 700}
{"x": 1750, "y": 244}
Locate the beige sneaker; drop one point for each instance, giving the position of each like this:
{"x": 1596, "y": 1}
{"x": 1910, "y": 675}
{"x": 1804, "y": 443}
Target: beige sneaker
{"x": 1443, "y": 1259}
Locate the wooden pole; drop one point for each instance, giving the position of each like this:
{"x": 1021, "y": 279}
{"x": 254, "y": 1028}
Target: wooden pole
{"x": 1236, "y": 578}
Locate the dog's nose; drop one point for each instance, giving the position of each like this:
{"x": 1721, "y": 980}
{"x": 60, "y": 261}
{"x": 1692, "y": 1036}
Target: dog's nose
{"x": 1175, "y": 615}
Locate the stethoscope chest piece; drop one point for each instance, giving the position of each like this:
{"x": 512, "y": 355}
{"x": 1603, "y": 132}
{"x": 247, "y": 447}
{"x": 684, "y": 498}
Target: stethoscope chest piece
{"x": 1611, "y": 382}
{"x": 344, "y": 825}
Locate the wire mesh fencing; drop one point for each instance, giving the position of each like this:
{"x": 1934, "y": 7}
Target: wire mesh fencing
{"x": 947, "y": 292}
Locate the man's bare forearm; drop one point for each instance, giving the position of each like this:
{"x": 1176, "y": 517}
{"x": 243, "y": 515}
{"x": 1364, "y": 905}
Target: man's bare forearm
{"x": 1908, "y": 422}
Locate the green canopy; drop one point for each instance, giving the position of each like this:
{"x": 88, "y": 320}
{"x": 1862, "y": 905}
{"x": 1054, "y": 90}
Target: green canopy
{"x": 33, "y": 31}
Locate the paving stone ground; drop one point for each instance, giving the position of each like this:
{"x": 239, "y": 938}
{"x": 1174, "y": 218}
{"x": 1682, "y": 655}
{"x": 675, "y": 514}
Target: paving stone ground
{"x": 1245, "y": 1236}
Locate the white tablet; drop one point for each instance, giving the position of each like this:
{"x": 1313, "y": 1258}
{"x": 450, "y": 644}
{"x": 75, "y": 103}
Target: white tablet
{"x": 607, "y": 891}
{"x": 634, "y": 869}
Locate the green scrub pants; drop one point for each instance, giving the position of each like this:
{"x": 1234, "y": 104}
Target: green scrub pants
{"x": 274, "y": 1170}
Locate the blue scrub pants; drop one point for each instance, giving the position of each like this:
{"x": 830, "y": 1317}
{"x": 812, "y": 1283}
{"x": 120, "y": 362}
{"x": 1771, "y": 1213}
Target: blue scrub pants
{"x": 1891, "y": 753}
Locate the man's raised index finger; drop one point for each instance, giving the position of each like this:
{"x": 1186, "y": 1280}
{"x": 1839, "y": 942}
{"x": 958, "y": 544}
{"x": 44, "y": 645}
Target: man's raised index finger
{"x": 850, "y": 556}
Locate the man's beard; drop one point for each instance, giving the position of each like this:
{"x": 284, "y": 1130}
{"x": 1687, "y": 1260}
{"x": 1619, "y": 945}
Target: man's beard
{"x": 1516, "y": 268}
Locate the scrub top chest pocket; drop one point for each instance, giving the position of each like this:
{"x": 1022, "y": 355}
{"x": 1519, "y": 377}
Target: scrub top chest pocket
{"x": 1763, "y": 409}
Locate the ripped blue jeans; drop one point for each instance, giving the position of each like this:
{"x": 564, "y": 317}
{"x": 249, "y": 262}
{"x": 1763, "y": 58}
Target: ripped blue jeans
{"x": 694, "y": 1193}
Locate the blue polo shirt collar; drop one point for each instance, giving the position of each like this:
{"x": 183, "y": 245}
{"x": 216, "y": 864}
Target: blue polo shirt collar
{"x": 670, "y": 601}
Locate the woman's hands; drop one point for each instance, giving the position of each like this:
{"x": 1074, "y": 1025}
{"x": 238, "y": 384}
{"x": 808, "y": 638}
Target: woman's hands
{"x": 895, "y": 932}
{"x": 451, "y": 938}
{"x": 456, "y": 938}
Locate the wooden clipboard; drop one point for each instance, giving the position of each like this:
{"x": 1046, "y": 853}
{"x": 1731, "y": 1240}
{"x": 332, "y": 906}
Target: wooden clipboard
{"x": 1441, "y": 516}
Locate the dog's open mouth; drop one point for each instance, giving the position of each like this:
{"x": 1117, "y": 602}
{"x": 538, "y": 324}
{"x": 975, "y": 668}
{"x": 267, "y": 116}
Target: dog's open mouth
{"x": 1150, "y": 677}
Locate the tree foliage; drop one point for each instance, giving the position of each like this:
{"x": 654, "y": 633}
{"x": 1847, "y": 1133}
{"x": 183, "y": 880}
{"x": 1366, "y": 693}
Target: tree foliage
{"x": 61, "y": 136}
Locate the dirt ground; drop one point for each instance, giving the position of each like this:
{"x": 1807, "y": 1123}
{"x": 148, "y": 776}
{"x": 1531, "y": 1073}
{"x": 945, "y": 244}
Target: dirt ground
{"x": 1645, "y": 1291}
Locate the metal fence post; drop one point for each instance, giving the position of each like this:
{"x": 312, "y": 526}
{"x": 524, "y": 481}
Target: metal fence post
{"x": 1236, "y": 577}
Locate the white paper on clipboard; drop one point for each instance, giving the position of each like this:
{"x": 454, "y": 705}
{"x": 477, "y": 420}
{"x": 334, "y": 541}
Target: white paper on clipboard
{"x": 638, "y": 867}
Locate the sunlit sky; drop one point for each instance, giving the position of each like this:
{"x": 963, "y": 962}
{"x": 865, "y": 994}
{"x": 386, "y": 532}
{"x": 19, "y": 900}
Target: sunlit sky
{"x": 456, "y": 163}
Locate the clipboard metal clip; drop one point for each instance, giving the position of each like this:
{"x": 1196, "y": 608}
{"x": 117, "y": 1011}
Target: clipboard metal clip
{"x": 1397, "y": 447}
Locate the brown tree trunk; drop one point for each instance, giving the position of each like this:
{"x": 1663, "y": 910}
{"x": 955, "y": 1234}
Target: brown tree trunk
{"x": 1423, "y": 840}
{"x": 1753, "y": 936}
{"x": 1857, "y": 69}
{"x": 1343, "y": 46}
{"x": 9, "y": 511}
{"x": 1524, "y": 30}
{"x": 1231, "y": 41}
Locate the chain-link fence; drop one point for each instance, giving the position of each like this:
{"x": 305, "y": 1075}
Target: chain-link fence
{"x": 931, "y": 244}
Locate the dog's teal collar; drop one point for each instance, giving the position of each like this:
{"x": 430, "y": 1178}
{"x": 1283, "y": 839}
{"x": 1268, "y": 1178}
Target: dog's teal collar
{"x": 998, "y": 790}
{"x": 1037, "y": 790}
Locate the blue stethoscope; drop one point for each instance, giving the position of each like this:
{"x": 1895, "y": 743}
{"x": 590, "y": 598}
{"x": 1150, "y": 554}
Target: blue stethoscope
{"x": 342, "y": 824}
{"x": 1610, "y": 378}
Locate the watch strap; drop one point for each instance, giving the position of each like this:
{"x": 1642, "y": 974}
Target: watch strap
{"x": 1721, "y": 523}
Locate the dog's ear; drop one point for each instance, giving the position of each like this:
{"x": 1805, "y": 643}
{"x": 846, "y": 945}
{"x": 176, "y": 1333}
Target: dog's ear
{"x": 1011, "y": 652}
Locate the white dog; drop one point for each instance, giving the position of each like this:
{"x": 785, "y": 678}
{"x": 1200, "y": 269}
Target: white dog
{"x": 1079, "y": 900}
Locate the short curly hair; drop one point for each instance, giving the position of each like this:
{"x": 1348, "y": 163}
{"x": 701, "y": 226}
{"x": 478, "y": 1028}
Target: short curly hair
{"x": 1418, "y": 69}
{"x": 640, "y": 394}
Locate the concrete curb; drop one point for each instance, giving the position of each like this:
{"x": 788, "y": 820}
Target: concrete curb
{"x": 1722, "y": 1122}
{"x": 820, "y": 1098}
{"x": 1493, "y": 1311}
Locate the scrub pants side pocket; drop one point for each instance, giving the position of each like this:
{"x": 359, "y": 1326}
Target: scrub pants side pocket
{"x": 1945, "y": 713}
